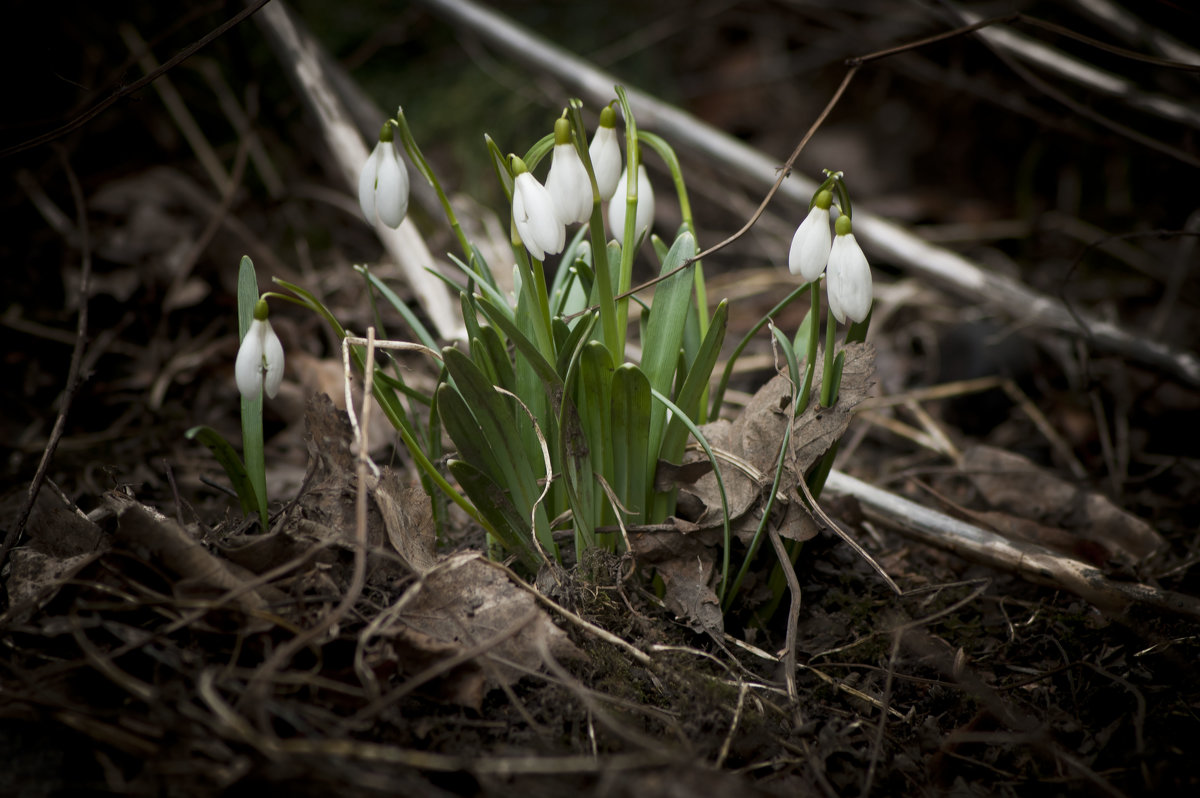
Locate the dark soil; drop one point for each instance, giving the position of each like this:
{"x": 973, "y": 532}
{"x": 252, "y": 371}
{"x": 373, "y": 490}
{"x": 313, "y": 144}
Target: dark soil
{"x": 142, "y": 652}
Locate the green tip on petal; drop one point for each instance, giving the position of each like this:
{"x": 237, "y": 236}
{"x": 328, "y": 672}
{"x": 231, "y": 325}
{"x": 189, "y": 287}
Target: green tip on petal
{"x": 842, "y": 226}
{"x": 261, "y": 310}
{"x": 518, "y": 165}
{"x": 562, "y": 131}
{"x": 823, "y": 200}
{"x": 608, "y": 117}
{"x": 385, "y": 132}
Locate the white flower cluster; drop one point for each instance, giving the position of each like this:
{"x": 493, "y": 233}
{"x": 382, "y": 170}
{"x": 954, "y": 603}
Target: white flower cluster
{"x": 848, "y": 280}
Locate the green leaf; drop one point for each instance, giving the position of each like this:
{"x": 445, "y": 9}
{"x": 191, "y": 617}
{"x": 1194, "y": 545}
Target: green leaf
{"x": 664, "y": 330}
{"x": 495, "y": 506}
{"x": 692, "y": 392}
{"x": 630, "y": 434}
{"x": 409, "y": 317}
{"x": 229, "y": 460}
{"x": 252, "y": 431}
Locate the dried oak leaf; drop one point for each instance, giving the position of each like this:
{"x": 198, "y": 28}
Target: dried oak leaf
{"x": 1014, "y": 484}
{"x": 685, "y": 552}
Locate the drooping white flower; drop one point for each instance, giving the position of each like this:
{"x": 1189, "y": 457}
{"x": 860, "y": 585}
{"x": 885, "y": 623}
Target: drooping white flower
{"x": 645, "y": 206}
{"x": 811, "y": 243}
{"x": 605, "y": 152}
{"x": 848, "y": 281}
{"x": 568, "y": 181}
{"x": 534, "y": 214}
{"x": 259, "y": 362}
{"x": 383, "y": 183}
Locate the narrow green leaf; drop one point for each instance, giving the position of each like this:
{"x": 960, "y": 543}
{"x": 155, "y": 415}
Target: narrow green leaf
{"x": 229, "y": 460}
{"x": 405, "y": 312}
{"x": 692, "y": 392}
{"x": 495, "y": 506}
{"x": 664, "y": 329}
{"x": 252, "y": 431}
{"x": 632, "y": 473}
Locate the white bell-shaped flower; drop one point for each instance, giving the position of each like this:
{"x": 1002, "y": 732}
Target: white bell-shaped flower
{"x": 534, "y": 214}
{"x": 383, "y": 183}
{"x": 605, "y": 152}
{"x": 645, "y": 206}
{"x": 259, "y": 363}
{"x": 848, "y": 281}
{"x": 568, "y": 181}
{"x": 811, "y": 243}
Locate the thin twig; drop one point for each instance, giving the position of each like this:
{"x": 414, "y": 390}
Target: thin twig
{"x": 74, "y": 378}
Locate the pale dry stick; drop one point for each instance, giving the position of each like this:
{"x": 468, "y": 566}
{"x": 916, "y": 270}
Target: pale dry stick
{"x": 1032, "y": 562}
{"x": 232, "y": 108}
{"x": 789, "y": 573}
{"x": 935, "y": 431}
{"x": 885, "y": 239}
{"x": 177, "y": 108}
{"x": 1080, "y": 72}
{"x": 903, "y": 430}
{"x": 301, "y": 56}
{"x": 723, "y": 754}
{"x": 1137, "y": 30}
{"x": 256, "y": 689}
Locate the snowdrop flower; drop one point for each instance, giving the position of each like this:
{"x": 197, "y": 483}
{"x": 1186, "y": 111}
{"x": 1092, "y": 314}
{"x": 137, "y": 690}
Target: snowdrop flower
{"x": 260, "y": 358}
{"x": 568, "y": 181}
{"x": 534, "y": 214}
{"x": 645, "y": 206}
{"x": 383, "y": 182}
{"x": 849, "y": 278}
{"x": 605, "y": 152}
{"x": 811, "y": 243}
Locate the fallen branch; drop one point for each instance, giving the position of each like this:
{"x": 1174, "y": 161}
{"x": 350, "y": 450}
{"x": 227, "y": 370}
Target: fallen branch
{"x": 301, "y": 56}
{"x": 887, "y": 240}
{"x": 1030, "y": 561}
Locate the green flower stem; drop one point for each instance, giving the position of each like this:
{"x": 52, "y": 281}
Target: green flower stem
{"x": 828, "y": 389}
{"x": 810, "y": 359}
{"x": 628, "y": 243}
{"x": 603, "y": 276}
{"x": 252, "y": 426}
{"x": 667, "y": 153}
{"x": 422, "y": 165}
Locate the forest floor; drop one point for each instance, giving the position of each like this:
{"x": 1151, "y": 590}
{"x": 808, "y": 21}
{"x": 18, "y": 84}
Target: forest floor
{"x": 157, "y": 642}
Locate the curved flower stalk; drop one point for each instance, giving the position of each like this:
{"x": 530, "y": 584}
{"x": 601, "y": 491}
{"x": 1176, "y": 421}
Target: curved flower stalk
{"x": 383, "y": 182}
{"x": 811, "y": 244}
{"x": 259, "y": 364}
{"x": 849, "y": 278}
{"x": 645, "y": 206}
{"x": 605, "y": 152}
{"x": 568, "y": 181}
{"x": 534, "y": 214}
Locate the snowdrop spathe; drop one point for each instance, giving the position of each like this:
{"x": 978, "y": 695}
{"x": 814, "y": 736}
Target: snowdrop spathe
{"x": 645, "y": 206}
{"x": 534, "y": 214}
{"x": 568, "y": 181}
{"x": 383, "y": 182}
{"x": 811, "y": 243}
{"x": 849, "y": 277}
{"x": 259, "y": 364}
{"x": 605, "y": 152}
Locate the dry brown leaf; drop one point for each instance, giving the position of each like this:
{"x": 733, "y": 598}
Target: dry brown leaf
{"x": 463, "y": 601}
{"x": 1016, "y": 485}
{"x": 748, "y": 452}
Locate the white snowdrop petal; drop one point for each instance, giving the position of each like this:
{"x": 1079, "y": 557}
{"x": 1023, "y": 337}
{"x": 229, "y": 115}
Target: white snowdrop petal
{"x": 569, "y": 185}
{"x": 811, "y": 244}
{"x": 605, "y": 152}
{"x": 391, "y": 192}
{"x": 366, "y": 184}
{"x": 273, "y": 359}
{"x": 247, "y": 368}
